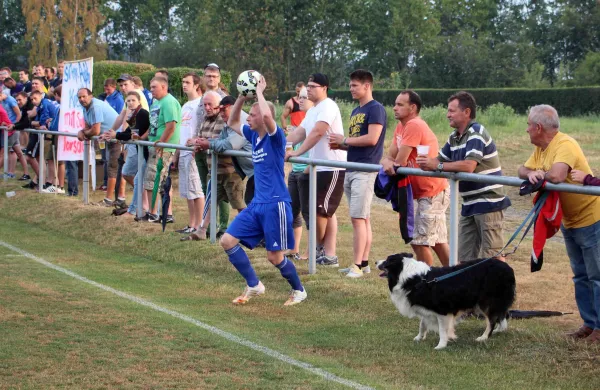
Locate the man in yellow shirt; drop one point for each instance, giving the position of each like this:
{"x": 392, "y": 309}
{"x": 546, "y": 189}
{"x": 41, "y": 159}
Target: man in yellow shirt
{"x": 555, "y": 155}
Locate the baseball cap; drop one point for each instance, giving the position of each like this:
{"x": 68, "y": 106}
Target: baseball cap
{"x": 124, "y": 77}
{"x": 212, "y": 65}
{"x": 320, "y": 79}
{"x": 227, "y": 101}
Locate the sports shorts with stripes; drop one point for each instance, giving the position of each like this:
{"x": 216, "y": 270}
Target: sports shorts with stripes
{"x": 271, "y": 221}
{"x": 330, "y": 189}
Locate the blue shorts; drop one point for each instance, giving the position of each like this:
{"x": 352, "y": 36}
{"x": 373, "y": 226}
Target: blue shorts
{"x": 271, "y": 221}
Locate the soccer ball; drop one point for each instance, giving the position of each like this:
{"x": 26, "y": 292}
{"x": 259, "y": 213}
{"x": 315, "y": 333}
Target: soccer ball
{"x": 246, "y": 83}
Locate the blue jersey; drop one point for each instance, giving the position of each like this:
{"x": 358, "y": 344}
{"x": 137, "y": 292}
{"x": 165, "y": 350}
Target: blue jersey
{"x": 268, "y": 155}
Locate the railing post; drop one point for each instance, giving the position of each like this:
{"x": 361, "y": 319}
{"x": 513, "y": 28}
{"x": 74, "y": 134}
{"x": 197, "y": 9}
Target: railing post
{"x": 86, "y": 171}
{"x": 312, "y": 220}
{"x": 213, "y": 197}
{"x": 42, "y": 163}
{"x": 454, "y": 216}
{"x": 139, "y": 184}
{"x": 5, "y": 143}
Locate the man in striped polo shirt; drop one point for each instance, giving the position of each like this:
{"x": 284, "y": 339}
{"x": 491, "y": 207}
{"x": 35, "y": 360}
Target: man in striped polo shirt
{"x": 470, "y": 149}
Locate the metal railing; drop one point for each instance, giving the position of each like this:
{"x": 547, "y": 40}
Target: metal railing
{"x": 452, "y": 177}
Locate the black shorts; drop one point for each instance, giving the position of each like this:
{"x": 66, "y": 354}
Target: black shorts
{"x": 330, "y": 189}
{"x": 33, "y": 146}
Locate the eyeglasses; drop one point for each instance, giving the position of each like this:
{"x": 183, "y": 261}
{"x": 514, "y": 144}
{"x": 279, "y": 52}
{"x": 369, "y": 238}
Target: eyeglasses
{"x": 313, "y": 86}
{"x": 302, "y": 97}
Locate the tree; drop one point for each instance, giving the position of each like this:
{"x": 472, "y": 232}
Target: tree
{"x": 12, "y": 24}
{"x": 588, "y": 71}
{"x": 63, "y": 29}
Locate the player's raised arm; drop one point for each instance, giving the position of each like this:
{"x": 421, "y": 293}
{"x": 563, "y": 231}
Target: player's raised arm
{"x": 265, "y": 111}
{"x": 234, "y": 118}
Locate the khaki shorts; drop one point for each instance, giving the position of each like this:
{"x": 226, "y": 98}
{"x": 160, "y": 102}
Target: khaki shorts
{"x": 230, "y": 188}
{"x": 189, "y": 179}
{"x": 48, "y": 143}
{"x": 480, "y": 236}
{"x": 358, "y": 187}
{"x": 430, "y": 220}
{"x": 114, "y": 151}
{"x": 150, "y": 175}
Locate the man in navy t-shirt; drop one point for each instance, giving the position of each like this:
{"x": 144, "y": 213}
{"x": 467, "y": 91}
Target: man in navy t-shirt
{"x": 269, "y": 215}
{"x": 365, "y": 145}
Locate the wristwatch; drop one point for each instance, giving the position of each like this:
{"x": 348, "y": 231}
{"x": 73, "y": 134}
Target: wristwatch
{"x": 440, "y": 166}
{"x": 344, "y": 141}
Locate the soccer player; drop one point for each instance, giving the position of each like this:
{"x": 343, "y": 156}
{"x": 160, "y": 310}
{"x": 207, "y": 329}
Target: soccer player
{"x": 269, "y": 215}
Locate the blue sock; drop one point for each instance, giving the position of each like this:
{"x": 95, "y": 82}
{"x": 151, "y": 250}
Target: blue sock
{"x": 241, "y": 262}
{"x": 288, "y": 271}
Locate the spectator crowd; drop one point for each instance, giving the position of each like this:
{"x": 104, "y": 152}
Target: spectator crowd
{"x": 311, "y": 125}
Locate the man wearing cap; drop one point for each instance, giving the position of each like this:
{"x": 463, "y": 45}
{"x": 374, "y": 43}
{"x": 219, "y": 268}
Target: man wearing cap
{"x": 230, "y": 184}
{"x": 212, "y": 79}
{"x": 228, "y": 140}
{"x": 324, "y": 118}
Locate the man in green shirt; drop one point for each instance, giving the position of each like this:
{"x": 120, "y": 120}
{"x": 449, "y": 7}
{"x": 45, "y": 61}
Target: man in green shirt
{"x": 165, "y": 118}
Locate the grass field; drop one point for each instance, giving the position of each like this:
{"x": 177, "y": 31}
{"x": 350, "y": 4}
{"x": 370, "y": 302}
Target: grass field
{"x": 57, "y": 331}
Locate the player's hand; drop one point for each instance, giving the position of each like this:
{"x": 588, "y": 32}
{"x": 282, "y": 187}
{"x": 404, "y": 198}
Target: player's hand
{"x": 535, "y": 176}
{"x": 578, "y": 176}
{"x": 80, "y": 135}
{"x": 261, "y": 85}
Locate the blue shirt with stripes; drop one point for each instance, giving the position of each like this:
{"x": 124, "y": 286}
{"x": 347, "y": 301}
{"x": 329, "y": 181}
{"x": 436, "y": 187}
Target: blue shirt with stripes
{"x": 268, "y": 156}
{"x": 476, "y": 144}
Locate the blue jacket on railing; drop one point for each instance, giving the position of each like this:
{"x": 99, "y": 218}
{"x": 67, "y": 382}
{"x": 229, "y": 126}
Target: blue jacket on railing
{"x": 230, "y": 140}
{"x": 46, "y": 110}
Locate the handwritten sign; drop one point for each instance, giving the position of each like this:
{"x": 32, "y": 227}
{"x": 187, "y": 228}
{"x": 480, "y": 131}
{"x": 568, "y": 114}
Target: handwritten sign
{"x": 77, "y": 75}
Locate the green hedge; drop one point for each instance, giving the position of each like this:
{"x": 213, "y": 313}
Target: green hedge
{"x": 568, "y": 101}
{"x": 108, "y": 69}
{"x": 175, "y": 76}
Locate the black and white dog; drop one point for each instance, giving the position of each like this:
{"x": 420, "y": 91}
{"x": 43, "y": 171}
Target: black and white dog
{"x": 487, "y": 288}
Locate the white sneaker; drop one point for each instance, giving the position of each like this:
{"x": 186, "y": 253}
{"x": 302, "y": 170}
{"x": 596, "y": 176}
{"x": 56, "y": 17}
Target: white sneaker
{"x": 60, "y": 190}
{"x": 51, "y": 190}
{"x": 365, "y": 270}
{"x": 296, "y": 297}
{"x": 355, "y": 272}
{"x": 248, "y": 293}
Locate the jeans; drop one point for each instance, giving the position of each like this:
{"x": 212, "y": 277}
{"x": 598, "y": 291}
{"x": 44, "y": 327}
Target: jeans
{"x": 583, "y": 248}
{"x": 72, "y": 168}
{"x": 138, "y": 182}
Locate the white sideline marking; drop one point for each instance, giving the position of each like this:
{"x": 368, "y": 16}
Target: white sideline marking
{"x": 226, "y": 335}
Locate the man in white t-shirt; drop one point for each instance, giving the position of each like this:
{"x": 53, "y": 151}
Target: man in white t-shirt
{"x": 190, "y": 187}
{"x": 320, "y": 121}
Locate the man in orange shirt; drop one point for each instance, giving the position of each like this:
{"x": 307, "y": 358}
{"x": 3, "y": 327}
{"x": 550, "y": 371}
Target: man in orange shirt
{"x": 432, "y": 194}
{"x": 292, "y": 110}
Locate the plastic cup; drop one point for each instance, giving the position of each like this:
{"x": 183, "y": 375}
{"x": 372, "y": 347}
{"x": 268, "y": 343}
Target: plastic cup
{"x": 135, "y": 131}
{"x": 289, "y": 146}
{"x": 101, "y": 144}
{"x": 422, "y": 150}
